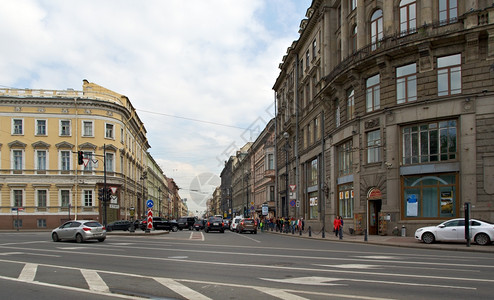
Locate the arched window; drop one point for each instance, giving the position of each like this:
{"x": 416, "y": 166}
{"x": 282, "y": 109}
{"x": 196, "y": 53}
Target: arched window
{"x": 376, "y": 28}
{"x": 408, "y": 16}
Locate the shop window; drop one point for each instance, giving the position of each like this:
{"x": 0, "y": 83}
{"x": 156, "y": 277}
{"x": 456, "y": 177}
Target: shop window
{"x": 430, "y": 196}
{"x": 313, "y": 205}
{"x": 345, "y": 201}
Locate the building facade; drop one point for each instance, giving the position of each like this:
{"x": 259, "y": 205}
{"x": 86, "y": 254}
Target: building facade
{"x": 385, "y": 114}
{"x": 42, "y": 182}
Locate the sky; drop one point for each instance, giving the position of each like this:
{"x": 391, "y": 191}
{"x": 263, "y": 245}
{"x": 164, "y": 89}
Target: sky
{"x": 199, "y": 72}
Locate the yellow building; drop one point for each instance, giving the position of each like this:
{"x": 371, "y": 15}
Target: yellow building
{"x": 42, "y": 183}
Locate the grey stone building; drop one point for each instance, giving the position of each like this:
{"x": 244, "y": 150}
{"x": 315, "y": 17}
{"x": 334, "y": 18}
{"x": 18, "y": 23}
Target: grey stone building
{"x": 385, "y": 114}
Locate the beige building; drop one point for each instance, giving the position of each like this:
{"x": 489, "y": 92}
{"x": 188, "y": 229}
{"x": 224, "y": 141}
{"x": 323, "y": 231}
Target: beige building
{"x": 385, "y": 113}
{"x": 42, "y": 183}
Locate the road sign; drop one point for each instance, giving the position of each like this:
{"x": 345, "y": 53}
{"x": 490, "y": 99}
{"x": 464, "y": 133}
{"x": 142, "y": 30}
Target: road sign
{"x": 150, "y": 203}
{"x": 292, "y": 203}
{"x": 150, "y": 217}
{"x": 113, "y": 189}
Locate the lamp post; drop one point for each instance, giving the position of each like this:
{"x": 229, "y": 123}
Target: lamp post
{"x": 143, "y": 177}
{"x": 159, "y": 201}
{"x": 284, "y": 204}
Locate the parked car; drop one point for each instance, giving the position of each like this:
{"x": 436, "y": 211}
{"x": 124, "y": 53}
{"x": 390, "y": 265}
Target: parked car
{"x": 160, "y": 224}
{"x": 79, "y": 231}
{"x": 186, "y": 223}
{"x": 234, "y": 223}
{"x": 118, "y": 225}
{"x": 247, "y": 225}
{"x": 199, "y": 224}
{"x": 214, "y": 224}
{"x": 481, "y": 232}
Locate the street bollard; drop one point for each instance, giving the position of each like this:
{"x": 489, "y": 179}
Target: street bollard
{"x": 310, "y": 231}
{"x": 300, "y": 231}
{"x": 365, "y": 235}
{"x": 323, "y": 232}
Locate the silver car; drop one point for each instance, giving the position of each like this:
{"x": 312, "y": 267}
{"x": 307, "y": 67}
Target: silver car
{"x": 80, "y": 231}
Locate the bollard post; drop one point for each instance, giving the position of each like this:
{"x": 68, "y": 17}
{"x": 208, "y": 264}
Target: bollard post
{"x": 293, "y": 229}
{"x": 323, "y": 232}
{"x": 365, "y": 235}
{"x": 310, "y": 231}
{"x": 300, "y": 231}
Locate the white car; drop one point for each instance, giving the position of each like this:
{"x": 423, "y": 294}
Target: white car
{"x": 481, "y": 232}
{"x": 234, "y": 223}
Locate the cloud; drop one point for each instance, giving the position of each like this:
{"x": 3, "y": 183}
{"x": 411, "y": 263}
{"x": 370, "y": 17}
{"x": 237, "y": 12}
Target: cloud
{"x": 214, "y": 60}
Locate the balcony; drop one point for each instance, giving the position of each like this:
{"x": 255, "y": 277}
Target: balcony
{"x": 269, "y": 174}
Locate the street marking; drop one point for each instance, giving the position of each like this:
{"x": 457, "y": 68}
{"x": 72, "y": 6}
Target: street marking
{"x": 28, "y": 272}
{"x": 242, "y": 235}
{"x": 312, "y": 280}
{"x": 94, "y": 281}
{"x": 279, "y": 293}
{"x": 196, "y": 236}
{"x": 378, "y": 257}
{"x": 11, "y": 253}
{"x": 178, "y": 257}
{"x": 355, "y": 266}
{"x": 181, "y": 289}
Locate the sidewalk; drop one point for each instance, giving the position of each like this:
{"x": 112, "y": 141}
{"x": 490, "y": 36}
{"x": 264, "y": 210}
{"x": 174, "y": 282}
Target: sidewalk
{"x": 386, "y": 240}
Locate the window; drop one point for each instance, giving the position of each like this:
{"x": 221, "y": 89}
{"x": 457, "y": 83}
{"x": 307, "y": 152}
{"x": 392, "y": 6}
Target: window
{"x": 65, "y": 160}
{"x": 41, "y": 160}
{"x": 317, "y": 129}
{"x": 430, "y": 196}
{"x": 408, "y": 16}
{"x": 271, "y": 193}
{"x": 406, "y": 83}
{"x": 41, "y": 196}
{"x": 313, "y": 206}
{"x": 374, "y": 146}
{"x": 88, "y": 198}
{"x": 65, "y": 128}
{"x": 87, "y": 127}
{"x": 18, "y": 195}
{"x": 307, "y": 59}
{"x": 345, "y": 160}
{"x": 270, "y": 161}
{"x": 449, "y": 75}
{"x": 17, "y": 126}
{"x": 64, "y": 198}
{"x": 314, "y": 49}
{"x": 17, "y": 223}
{"x": 376, "y": 28}
{"x": 309, "y": 134}
{"x": 41, "y": 223}
{"x": 430, "y": 142}
{"x": 345, "y": 200}
{"x": 301, "y": 67}
{"x": 110, "y": 162}
{"x": 17, "y": 159}
{"x": 353, "y": 39}
{"x": 40, "y": 127}
{"x": 372, "y": 93}
{"x": 448, "y": 11}
{"x": 353, "y": 4}
{"x": 109, "y": 131}
{"x": 121, "y": 135}
{"x": 313, "y": 173}
{"x": 350, "y": 100}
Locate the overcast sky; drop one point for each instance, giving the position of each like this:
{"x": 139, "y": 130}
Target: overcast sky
{"x": 199, "y": 72}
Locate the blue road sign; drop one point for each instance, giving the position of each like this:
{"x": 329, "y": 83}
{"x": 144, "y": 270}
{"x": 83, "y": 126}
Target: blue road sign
{"x": 150, "y": 203}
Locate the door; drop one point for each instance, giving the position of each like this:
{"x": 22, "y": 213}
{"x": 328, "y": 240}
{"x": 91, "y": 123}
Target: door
{"x": 453, "y": 230}
{"x": 373, "y": 215}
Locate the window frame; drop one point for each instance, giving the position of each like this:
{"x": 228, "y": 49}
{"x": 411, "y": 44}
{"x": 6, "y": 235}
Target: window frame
{"x": 39, "y": 200}
{"x": 407, "y": 79}
{"x": 450, "y": 14}
{"x": 112, "y": 133}
{"x": 345, "y": 158}
{"x": 37, "y": 127}
{"x": 17, "y": 159}
{"x": 374, "y": 143}
{"x": 65, "y": 129}
{"x": 408, "y": 23}
{"x": 65, "y": 160}
{"x": 17, "y": 129}
{"x": 377, "y": 27}
{"x": 87, "y": 131}
{"x": 350, "y": 96}
{"x": 373, "y": 93}
{"x": 449, "y": 70}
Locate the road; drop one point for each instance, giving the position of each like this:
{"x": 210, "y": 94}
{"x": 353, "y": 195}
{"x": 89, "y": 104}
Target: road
{"x": 196, "y": 265}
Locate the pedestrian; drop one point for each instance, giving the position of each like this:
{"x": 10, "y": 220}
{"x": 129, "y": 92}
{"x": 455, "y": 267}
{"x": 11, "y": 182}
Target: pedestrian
{"x": 336, "y": 225}
{"x": 340, "y": 231}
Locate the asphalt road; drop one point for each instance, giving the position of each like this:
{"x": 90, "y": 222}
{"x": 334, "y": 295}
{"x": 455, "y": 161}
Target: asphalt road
{"x": 196, "y": 265}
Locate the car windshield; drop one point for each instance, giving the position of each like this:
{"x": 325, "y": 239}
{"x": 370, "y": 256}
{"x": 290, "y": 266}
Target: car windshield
{"x": 213, "y": 219}
{"x": 247, "y": 221}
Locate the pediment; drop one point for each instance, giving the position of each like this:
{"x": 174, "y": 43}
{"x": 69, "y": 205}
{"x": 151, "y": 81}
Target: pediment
{"x": 64, "y": 145}
{"x": 40, "y": 144}
{"x": 17, "y": 144}
{"x": 87, "y": 146}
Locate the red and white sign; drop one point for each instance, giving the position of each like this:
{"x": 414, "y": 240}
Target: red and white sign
{"x": 113, "y": 189}
{"x": 150, "y": 219}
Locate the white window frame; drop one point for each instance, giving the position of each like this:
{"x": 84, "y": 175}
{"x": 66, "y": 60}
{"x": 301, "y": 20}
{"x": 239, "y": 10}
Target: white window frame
{"x": 60, "y": 201}
{"x": 22, "y": 162}
{"x": 112, "y": 135}
{"x": 23, "y": 197}
{"x": 36, "y": 127}
{"x": 15, "y": 127}
{"x": 85, "y": 133}
{"x": 110, "y": 163}
{"x": 87, "y": 193}
{"x": 47, "y": 198}
{"x": 36, "y": 159}
{"x": 60, "y": 161}
{"x": 61, "y": 132}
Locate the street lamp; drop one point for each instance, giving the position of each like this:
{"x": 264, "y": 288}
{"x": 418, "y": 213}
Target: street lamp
{"x": 143, "y": 177}
{"x": 284, "y": 204}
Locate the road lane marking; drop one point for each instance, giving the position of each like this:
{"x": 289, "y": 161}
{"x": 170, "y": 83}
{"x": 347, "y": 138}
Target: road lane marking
{"x": 312, "y": 280}
{"x": 11, "y": 253}
{"x": 279, "y": 294}
{"x": 181, "y": 289}
{"x": 247, "y": 237}
{"x": 94, "y": 281}
{"x": 28, "y": 272}
{"x": 197, "y": 236}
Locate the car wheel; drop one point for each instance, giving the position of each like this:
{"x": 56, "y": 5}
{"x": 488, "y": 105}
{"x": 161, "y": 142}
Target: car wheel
{"x": 174, "y": 228}
{"x": 190, "y": 227}
{"x": 428, "y": 238}
{"x": 55, "y": 238}
{"x": 197, "y": 229}
{"x": 101, "y": 240}
{"x": 206, "y": 230}
{"x": 255, "y": 232}
{"x": 78, "y": 238}
{"x": 222, "y": 231}
{"x": 482, "y": 239}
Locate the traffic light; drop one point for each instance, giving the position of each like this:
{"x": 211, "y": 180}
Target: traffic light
{"x": 108, "y": 194}
{"x": 101, "y": 194}
{"x": 80, "y": 157}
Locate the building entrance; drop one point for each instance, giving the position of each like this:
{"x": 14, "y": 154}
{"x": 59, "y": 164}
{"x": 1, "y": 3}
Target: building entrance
{"x": 373, "y": 213}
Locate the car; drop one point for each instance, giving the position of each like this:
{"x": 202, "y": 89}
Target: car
{"x": 199, "y": 225}
{"x": 481, "y": 232}
{"x": 247, "y": 225}
{"x": 234, "y": 223}
{"x": 160, "y": 223}
{"x": 118, "y": 225}
{"x": 79, "y": 231}
{"x": 214, "y": 224}
{"x": 226, "y": 223}
{"x": 186, "y": 222}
